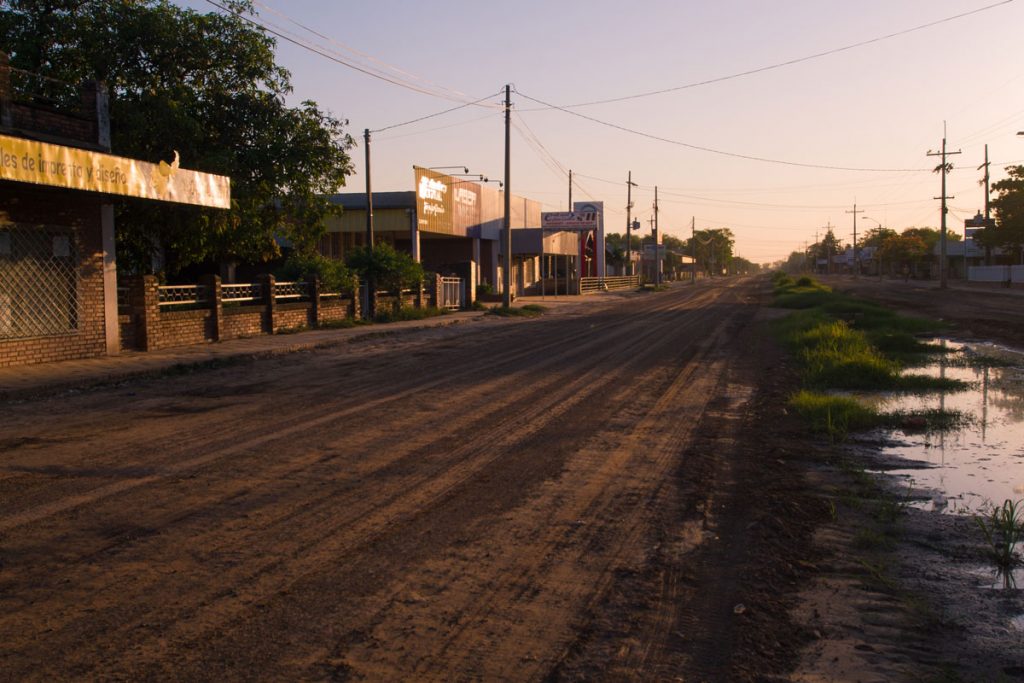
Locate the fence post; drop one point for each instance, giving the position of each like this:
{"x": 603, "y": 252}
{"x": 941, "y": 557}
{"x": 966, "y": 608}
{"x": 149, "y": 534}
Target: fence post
{"x": 213, "y": 300}
{"x": 313, "y": 287}
{"x": 144, "y": 300}
{"x": 267, "y": 286}
{"x": 438, "y": 291}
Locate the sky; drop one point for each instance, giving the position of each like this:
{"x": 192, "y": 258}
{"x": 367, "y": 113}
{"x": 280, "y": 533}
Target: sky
{"x": 881, "y": 106}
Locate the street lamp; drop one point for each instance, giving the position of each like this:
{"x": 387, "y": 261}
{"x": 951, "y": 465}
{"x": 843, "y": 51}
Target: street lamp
{"x": 445, "y": 168}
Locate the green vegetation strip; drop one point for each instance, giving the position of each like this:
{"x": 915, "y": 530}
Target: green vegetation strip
{"x": 848, "y": 344}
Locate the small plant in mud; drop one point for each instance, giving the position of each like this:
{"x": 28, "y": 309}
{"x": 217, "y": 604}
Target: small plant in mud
{"x": 1003, "y": 528}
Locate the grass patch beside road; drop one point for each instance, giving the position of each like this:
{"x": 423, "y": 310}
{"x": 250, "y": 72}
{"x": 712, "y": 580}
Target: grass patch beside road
{"x": 851, "y": 345}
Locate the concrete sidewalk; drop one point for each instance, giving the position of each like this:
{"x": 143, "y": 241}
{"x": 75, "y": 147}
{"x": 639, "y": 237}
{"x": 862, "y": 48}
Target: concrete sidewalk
{"x": 24, "y": 381}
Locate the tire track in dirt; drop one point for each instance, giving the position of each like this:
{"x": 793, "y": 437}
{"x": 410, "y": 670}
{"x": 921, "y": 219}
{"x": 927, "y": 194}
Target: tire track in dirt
{"x": 438, "y": 495}
{"x": 555, "y": 399}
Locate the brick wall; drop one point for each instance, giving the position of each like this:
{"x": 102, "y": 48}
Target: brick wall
{"x": 291, "y": 316}
{"x": 182, "y": 328}
{"x": 243, "y": 321}
{"x": 31, "y": 206}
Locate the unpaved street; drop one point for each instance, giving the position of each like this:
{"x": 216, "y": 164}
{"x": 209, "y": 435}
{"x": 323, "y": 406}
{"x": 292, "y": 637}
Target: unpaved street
{"x": 564, "y": 497}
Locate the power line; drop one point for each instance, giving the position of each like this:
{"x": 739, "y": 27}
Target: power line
{"x": 282, "y": 34}
{"x": 430, "y": 116}
{"x": 711, "y": 150}
{"x": 778, "y": 65}
{"x": 402, "y": 73}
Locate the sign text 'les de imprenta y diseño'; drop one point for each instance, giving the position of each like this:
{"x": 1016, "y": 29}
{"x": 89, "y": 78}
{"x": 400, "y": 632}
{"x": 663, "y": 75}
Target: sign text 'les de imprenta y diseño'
{"x": 29, "y": 161}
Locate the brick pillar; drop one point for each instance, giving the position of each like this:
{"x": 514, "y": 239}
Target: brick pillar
{"x": 214, "y": 300}
{"x": 144, "y": 299}
{"x": 267, "y": 286}
{"x": 313, "y": 285}
{"x": 437, "y": 290}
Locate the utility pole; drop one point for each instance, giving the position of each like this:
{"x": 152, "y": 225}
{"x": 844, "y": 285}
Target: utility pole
{"x": 988, "y": 194}
{"x": 943, "y": 170}
{"x": 507, "y": 299}
{"x": 570, "y": 189}
{"x": 629, "y": 224}
{"x": 693, "y": 250}
{"x": 856, "y": 261}
{"x": 657, "y": 256}
{"x": 371, "y": 294}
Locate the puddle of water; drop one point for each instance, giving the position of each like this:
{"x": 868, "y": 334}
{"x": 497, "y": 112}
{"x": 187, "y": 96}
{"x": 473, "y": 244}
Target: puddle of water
{"x": 1017, "y": 623}
{"x": 982, "y": 462}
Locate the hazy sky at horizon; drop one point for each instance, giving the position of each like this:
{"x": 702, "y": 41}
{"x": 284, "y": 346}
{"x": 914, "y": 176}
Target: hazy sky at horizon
{"x": 878, "y": 106}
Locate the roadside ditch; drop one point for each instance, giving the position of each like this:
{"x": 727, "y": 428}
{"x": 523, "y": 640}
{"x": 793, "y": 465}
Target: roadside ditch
{"x": 918, "y": 452}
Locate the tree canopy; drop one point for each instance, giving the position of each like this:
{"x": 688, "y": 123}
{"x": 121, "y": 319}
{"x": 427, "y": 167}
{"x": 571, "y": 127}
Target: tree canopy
{"x": 1008, "y": 204}
{"x": 206, "y": 86}
{"x": 714, "y": 249}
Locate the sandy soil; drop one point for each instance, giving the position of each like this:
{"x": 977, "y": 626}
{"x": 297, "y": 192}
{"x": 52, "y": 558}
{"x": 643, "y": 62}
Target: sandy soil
{"x": 579, "y": 496}
{"x": 613, "y": 491}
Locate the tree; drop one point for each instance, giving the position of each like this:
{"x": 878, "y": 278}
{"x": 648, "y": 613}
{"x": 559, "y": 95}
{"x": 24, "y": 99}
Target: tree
{"x": 1008, "y": 234}
{"x": 390, "y": 269}
{"x": 906, "y": 249}
{"x": 714, "y": 249}
{"x": 876, "y": 236}
{"x": 206, "y": 86}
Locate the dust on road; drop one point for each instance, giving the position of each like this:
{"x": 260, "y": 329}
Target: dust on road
{"x": 550, "y": 498}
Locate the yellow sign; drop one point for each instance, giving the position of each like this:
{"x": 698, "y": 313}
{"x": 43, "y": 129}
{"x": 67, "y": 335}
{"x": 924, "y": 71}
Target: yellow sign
{"x": 29, "y": 161}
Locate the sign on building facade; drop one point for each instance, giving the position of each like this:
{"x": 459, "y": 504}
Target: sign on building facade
{"x": 30, "y": 161}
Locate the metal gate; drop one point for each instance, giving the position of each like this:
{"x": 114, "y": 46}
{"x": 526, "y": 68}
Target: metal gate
{"x": 451, "y": 293}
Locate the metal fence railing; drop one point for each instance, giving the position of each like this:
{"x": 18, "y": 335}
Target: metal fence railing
{"x": 291, "y": 291}
{"x": 241, "y": 293}
{"x": 590, "y": 285}
{"x": 181, "y": 295}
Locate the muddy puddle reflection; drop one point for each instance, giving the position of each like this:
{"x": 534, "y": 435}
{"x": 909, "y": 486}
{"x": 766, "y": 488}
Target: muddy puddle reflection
{"x": 977, "y": 464}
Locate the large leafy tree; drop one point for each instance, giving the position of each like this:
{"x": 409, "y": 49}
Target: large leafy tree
{"x": 714, "y": 248}
{"x": 1008, "y": 233}
{"x": 206, "y": 86}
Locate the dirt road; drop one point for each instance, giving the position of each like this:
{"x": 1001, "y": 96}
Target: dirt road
{"x": 577, "y": 496}
{"x": 983, "y": 312}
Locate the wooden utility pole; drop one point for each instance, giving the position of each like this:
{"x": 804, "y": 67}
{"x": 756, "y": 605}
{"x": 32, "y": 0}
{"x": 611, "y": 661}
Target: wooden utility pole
{"x": 657, "y": 256}
{"x": 629, "y": 224}
{"x": 693, "y": 249}
{"x": 988, "y": 197}
{"x": 988, "y": 192}
{"x": 856, "y": 261}
{"x": 943, "y": 170}
{"x": 371, "y": 294}
{"x": 570, "y": 190}
{"x": 507, "y": 298}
